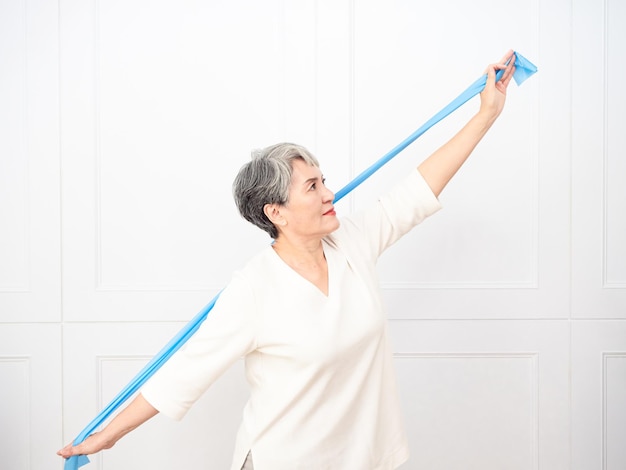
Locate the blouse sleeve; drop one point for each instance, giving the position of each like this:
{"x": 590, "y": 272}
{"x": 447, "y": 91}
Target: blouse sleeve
{"x": 395, "y": 214}
{"x": 227, "y": 334}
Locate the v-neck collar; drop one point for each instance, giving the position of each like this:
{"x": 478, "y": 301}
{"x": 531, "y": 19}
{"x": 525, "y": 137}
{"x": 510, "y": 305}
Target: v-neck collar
{"x": 328, "y": 255}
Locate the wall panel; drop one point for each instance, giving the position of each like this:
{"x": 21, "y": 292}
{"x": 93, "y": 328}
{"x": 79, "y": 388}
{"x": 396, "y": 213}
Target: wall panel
{"x": 483, "y": 405}
{"x": 496, "y": 250}
{"x": 29, "y": 162}
{"x": 13, "y": 172}
{"x": 15, "y": 401}
{"x": 30, "y": 395}
{"x": 484, "y": 395}
{"x": 599, "y": 226}
{"x": 156, "y": 126}
{"x": 598, "y": 391}
{"x": 109, "y": 356}
{"x": 614, "y": 409}
{"x": 614, "y": 164}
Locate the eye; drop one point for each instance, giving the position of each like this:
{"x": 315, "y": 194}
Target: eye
{"x": 313, "y": 186}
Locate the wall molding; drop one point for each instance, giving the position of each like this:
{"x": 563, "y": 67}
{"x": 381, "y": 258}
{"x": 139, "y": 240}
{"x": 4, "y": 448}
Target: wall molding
{"x": 606, "y": 357}
{"x": 25, "y": 362}
{"x": 533, "y": 357}
{"x": 24, "y": 285}
{"x": 607, "y": 283}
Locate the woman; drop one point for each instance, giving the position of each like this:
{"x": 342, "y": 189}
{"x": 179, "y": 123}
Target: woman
{"x": 306, "y": 313}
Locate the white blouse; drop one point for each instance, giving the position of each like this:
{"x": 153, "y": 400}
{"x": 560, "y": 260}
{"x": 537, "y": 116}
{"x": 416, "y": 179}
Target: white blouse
{"x": 322, "y": 385}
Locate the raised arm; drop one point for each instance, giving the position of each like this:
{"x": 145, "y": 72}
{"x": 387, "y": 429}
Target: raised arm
{"x": 136, "y": 413}
{"x": 442, "y": 165}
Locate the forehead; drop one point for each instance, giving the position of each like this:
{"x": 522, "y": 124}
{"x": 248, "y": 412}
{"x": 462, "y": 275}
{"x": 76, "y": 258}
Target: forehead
{"x": 302, "y": 172}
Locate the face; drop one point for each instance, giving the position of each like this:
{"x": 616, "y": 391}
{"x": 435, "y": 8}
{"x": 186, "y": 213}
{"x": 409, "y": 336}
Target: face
{"x": 309, "y": 212}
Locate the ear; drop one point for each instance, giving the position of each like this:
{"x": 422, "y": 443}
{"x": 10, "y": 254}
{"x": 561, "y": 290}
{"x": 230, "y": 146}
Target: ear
{"x": 273, "y": 213}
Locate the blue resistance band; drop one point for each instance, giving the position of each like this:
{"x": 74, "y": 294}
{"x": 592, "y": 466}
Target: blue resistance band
{"x": 524, "y": 69}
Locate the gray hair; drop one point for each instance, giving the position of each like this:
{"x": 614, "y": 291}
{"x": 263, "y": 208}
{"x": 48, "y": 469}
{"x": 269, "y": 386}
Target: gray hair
{"x": 265, "y": 180}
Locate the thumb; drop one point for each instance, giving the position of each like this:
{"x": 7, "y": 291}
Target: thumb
{"x": 68, "y": 451}
{"x": 491, "y": 75}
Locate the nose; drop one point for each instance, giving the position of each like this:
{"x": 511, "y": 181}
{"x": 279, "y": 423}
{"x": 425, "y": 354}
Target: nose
{"x": 328, "y": 195}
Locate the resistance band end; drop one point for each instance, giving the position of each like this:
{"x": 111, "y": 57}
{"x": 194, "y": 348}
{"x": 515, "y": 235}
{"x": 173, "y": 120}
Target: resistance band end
{"x": 76, "y": 461}
{"x": 524, "y": 69}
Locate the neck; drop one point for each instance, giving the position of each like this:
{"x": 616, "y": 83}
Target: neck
{"x": 307, "y": 259}
{"x": 299, "y": 252}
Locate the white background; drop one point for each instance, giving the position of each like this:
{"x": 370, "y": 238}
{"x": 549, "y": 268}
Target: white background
{"x": 123, "y": 123}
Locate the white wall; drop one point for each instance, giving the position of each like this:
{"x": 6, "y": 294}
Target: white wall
{"x": 122, "y": 124}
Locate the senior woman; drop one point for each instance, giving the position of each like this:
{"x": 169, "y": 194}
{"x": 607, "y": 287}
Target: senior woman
{"x": 307, "y": 315}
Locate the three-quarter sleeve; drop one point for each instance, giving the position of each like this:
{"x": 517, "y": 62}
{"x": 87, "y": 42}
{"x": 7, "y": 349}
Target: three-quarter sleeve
{"x": 395, "y": 214}
{"x": 227, "y": 334}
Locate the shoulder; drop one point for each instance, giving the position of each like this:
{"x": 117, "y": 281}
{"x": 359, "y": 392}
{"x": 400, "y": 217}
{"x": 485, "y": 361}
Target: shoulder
{"x": 260, "y": 270}
{"x": 412, "y": 193}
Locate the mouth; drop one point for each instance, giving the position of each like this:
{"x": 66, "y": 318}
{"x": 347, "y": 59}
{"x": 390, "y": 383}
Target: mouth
{"x": 330, "y": 212}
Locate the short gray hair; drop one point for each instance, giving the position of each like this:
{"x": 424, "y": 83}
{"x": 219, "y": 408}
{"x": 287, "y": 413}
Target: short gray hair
{"x": 265, "y": 180}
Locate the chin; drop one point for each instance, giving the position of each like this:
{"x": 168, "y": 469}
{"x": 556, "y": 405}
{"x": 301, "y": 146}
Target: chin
{"x": 335, "y": 227}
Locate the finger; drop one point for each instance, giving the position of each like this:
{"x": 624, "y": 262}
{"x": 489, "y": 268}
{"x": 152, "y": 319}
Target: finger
{"x": 491, "y": 74}
{"x": 71, "y": 449}
{"x": 66, "y": 452}
{"x": 506, "y": 78}
{"x": 509, "y": 70}
{"x": 510, "y": 53}
{"x": 503, "y": 84}
{"x": 507, "y": 60}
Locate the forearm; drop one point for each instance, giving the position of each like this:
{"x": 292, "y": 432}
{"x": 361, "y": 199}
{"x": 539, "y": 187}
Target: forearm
{"x": 136, "y": 413}
{"x": 439, "y": 168}
{"x": 442, "y": 165}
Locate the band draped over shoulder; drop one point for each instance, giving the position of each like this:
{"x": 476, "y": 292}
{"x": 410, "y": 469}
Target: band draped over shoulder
{"x": 524, "y": 69}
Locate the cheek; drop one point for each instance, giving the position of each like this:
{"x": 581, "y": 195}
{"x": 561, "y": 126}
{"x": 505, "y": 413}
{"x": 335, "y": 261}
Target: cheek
{"x": 304, "y": 211}
{"x": 307, "y": 218}
{"x": 299, "y": 215}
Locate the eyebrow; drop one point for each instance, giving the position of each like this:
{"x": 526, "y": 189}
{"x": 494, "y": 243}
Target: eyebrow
{"x": 313, "y": 180}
